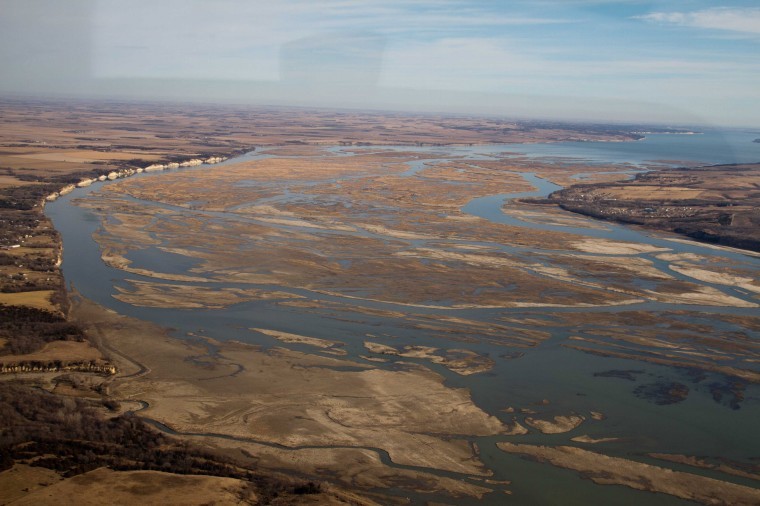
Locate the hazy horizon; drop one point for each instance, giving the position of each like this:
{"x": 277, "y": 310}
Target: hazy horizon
{"x": 663, "y": 63}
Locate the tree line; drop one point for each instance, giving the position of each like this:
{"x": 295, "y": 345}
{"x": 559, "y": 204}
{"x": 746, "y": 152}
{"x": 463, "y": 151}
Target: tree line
{"x": 71, "y": 436}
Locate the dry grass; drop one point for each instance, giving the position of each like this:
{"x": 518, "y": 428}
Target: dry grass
{"x": 651, "y": 193}
{"x": 39, "y": 299}
{"x": 22, "y": 480}
{"x": 65, "y": 351}
{"x": 135, "y": 487}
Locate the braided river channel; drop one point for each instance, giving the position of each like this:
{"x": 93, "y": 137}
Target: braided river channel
{"x": 635, "y": 399}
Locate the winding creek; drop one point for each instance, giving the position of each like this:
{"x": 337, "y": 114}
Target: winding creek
{"x": 696, "y": 426}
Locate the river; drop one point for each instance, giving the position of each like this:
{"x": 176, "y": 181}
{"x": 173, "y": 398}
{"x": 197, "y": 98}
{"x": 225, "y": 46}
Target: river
{"x": 696, "y": 426}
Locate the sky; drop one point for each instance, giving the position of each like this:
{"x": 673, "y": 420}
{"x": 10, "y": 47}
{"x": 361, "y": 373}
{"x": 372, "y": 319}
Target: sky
{"x": 688, "y": 62}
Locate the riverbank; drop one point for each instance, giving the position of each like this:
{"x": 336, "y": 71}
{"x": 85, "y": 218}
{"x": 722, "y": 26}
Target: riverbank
{"x": 714, "y": 204}
{"x": 236, "y": 396}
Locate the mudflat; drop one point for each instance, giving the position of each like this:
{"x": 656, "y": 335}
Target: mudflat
{"x": 324, "y": 410}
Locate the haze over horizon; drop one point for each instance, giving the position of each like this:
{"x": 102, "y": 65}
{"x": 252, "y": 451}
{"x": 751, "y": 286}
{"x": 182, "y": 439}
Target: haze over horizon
{"x": 682, "y": 62}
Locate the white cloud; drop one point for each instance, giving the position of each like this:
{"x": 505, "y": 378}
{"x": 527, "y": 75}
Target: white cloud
{"x": 242, "y": 39}
{"x": 508, "y": 66}
{"x": 720, "y": 18}
{"x": 467, "y": 64}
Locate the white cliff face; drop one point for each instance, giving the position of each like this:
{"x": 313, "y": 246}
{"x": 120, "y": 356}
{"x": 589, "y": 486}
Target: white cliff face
{"x": 194, "y": 162}
{"x": 66, "y": 189}
{"x": 113, "y": 175}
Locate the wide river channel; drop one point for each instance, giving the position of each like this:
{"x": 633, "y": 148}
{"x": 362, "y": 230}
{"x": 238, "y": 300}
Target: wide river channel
{"x": 697, "y": 426}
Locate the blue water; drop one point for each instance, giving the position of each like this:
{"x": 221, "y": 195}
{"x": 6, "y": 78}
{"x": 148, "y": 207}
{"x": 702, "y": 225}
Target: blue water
{"x": 707, "y": 147}
{"x": 710, "y": 147}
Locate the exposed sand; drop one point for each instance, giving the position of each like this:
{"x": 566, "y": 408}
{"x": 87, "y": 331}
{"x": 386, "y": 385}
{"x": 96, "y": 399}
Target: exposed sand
{"x": 590, "y": 440}
{"x": 636, "y": 266}
{"x": 751, "y": 471}
{"x": 558, "y": 425}
{"x": 398, "y": 234}
{"x": 747, "y": 283}
{"x": 607, "y": 247}
{"x": 516, "y": 429}
{"x": 606, "y": 470}
{"x": 286, "y": 337}
{"x": 243, "y": 392}
{"x": 285, "y": 241}
{"x": 295, "y": 222}
{"x": 549, "y": 216}
{"x": 355, "y": 468}
{"x": 148, "y": 294}
{"x": 702, "y": 295}
{"x": 469, "y": 258}
{"x": 464, "y": 362}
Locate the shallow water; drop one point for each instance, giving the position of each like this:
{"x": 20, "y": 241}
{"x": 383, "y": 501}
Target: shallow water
{"x": 696, "y": 426}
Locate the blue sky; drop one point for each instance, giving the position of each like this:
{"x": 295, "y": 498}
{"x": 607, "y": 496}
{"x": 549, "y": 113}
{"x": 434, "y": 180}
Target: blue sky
{"x": 692, "y": 62}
